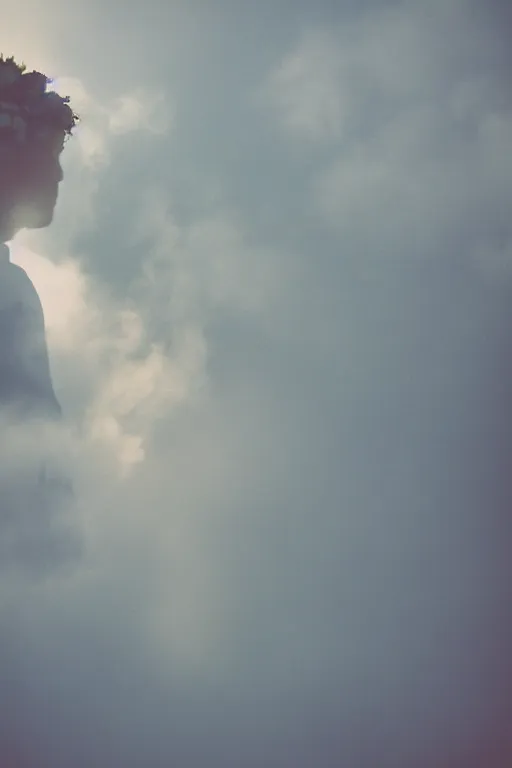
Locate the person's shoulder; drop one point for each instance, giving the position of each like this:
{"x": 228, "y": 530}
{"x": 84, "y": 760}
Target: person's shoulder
{"x": 13, "y": 272}
{"x": 19, "y": 272}
{"x": 16, "y": 287}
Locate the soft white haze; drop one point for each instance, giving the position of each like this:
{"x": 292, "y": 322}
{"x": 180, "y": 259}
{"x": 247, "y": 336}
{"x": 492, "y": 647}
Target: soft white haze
{"x": 277, "y": 293}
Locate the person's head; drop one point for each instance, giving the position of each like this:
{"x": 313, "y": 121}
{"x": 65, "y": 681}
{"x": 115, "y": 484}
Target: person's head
{"x": 34, "y": 124}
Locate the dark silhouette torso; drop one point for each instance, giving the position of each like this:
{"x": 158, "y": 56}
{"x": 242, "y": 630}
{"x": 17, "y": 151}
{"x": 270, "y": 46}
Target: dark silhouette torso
{"x": 25, "y": 382}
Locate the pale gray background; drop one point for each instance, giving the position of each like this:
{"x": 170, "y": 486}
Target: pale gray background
{"x": 309, "y": 567}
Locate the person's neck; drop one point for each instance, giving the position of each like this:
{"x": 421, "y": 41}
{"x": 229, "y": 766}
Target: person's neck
{"x": 8, "y": 227}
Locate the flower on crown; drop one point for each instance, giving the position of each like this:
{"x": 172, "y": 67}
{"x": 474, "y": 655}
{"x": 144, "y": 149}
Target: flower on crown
{"x": 28, "y": 112}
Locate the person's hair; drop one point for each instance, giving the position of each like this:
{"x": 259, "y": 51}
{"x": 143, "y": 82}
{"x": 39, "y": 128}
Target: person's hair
{"x": 34, "y": 123}
{"x": 30, "y": 114}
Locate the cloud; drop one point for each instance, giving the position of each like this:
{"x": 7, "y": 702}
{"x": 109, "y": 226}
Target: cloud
{"x": 275, "y": 351}
{"x": 140, "y": 110}
{"x": 432, "y": 154}
{"x": 306, "y": 90}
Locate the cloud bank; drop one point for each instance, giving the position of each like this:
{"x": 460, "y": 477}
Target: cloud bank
{"x": 277, "y": 296}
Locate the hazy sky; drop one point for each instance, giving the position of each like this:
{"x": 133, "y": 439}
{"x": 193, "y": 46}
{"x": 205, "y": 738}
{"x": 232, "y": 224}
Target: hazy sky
{"x": 277, "y": 294}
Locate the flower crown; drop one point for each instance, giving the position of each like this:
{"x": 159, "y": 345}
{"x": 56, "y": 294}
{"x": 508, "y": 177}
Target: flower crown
{"x": 29, "y": 114}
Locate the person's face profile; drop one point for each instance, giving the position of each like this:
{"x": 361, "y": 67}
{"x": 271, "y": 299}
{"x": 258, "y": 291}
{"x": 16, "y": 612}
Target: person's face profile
{"x": 34, "y": 124}
{"x": 36, "y": 187}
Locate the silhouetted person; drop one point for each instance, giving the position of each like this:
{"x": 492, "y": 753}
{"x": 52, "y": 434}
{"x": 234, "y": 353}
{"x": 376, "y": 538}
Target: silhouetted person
{"x": 25, "y": 382}
{"x": 34, "y": 124}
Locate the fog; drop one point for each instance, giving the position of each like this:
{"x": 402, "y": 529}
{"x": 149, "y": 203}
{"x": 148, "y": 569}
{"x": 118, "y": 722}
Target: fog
{"x": 277, "y": 294}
